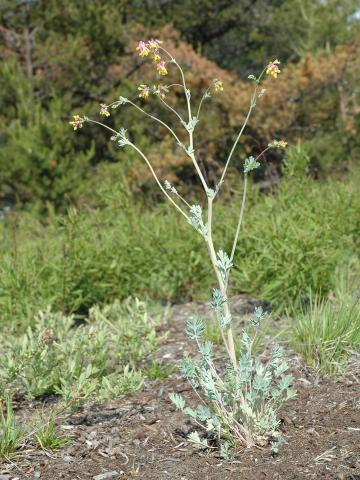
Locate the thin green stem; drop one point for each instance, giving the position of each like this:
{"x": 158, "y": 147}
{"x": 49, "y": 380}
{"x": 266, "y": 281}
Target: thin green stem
{"x": 237, "y": 139}
{"x": 201, "y": 102}
{"x": 238, "y": 225}
{"x": 158, "y": 181}
{"x": 156, "y": 119}
{"x": 148, "y": 164}
{"x": 252, "y": 105}
{"x": 191, "y": 139}
{"x": 102, "y": 124}
{"x": 241, "y": 215}
{"x": 171, "y": 108}
{"x": 229, "y": 343}
{"x": 183, "y": 200}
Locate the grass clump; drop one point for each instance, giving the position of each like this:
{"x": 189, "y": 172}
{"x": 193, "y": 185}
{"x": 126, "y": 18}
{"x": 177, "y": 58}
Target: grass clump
{"x": 96, "y": 359}
{"x": 11, "y": 434}
{"x": 48, "y": 437}
{"x": 326, "y": 333}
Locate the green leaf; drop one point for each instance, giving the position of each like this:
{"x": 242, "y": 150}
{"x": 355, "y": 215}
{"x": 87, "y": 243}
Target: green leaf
{"x": 177, "y": 400}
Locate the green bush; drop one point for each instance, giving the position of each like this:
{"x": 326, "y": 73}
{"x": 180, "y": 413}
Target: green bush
{"x": 39, "y": 161}
{"x": 296, "y": 238}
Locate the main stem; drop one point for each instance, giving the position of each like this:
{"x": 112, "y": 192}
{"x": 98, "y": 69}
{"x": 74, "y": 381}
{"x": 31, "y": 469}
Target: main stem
{"x": 229, "y": 343}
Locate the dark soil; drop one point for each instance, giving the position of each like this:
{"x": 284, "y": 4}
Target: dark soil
{"x": 141, "y": 436}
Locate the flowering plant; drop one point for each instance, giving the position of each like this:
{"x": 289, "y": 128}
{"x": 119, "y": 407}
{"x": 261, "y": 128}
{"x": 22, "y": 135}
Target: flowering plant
{"x": 240, "y": 403}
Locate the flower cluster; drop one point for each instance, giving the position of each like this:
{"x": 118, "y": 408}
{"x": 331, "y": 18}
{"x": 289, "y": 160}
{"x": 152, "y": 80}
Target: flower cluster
{"x": 272, "y": 69}
{"x": 160, "y": 90}
{"x": 77, "y": 122}
{"x": 218, "y": 85}
{"x": 151, "y": 49}
{"x": 144, "y": 91}
{"x": 278, "y": 144}
{"x": 104, "y": 110}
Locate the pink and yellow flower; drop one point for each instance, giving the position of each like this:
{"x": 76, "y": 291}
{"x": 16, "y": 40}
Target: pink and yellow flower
{"x": 155, "y": 57}
{"x": 77, "y": 122}
{"x": 273, "y": 69}
{"x": 161, "y": 68}
{"x": 144, "y": 91}
{"x": 153, "y": 44}
{"x": 142, "y": 48}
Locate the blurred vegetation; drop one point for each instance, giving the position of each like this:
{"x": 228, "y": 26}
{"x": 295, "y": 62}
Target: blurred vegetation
{"x": 101, "y": 358}
{"x": 63, "y": 57}
{"x": 292, "y": 240}
{"x": 70, "y": 203}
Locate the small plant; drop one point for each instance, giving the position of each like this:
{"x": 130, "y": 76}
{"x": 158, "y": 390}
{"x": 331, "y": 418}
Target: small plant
{"x": 97, "y": 359}
{"x": 241, "y": 398}
{"x": 48, "y": 437}
{"x": 11, "y": 434}
{"x": 326, "y": 332}
{"x": 157, "y": 370}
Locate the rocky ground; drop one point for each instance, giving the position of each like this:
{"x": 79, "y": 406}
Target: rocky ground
{"x": 141, "y": 436}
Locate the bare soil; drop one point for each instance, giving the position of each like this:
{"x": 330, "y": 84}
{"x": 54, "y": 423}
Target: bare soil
{"x": 141, "y": 436}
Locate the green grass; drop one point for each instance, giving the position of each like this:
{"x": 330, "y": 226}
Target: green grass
{"x": 11, "y": 434}
{"x": 327, "y": 332}
{"x": 48, "y": 437}
{"x": 291, "y": 241}
{"x": 156, "y": 370}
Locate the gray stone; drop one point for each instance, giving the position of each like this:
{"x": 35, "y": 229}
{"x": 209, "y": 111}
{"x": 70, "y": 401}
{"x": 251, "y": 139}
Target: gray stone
{"x": 106, "y": 475}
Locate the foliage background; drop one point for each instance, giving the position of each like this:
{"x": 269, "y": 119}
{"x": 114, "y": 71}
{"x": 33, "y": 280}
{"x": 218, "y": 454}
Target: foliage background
{"x": 71, "y": 236}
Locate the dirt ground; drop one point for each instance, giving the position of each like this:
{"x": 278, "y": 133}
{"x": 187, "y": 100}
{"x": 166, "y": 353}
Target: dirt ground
{"x": 141, "y": 436}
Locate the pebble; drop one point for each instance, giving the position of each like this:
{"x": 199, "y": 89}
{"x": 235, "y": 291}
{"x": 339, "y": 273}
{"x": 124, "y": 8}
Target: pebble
{"x": 106, "y": 475}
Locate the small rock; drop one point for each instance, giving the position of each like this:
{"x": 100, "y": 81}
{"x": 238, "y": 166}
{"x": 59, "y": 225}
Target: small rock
{"x": 5, "y": 477}
{"x": 106, "y": 475}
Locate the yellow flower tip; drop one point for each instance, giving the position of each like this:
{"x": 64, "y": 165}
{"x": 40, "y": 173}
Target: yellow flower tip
{"x": 77, "y": 122}
{"x": 160, "y": 90}
{"x": 155, "y": 57}
{"x": 104, "y": 110}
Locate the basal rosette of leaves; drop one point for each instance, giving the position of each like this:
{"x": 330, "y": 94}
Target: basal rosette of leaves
{"x": 241, "y": 402}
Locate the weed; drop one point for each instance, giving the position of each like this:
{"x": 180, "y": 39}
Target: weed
{"x": 241, "y": 404}
{"x": 11, "y": 434}
{"x": 96, "y": 359}
{"x": 326, "y": 332}
{"x": 48, "y": 437}
{"x": 156, "y": 370}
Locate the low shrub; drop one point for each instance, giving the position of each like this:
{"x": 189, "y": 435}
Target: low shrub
{"x": 99, "y": 357}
